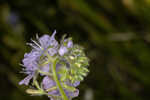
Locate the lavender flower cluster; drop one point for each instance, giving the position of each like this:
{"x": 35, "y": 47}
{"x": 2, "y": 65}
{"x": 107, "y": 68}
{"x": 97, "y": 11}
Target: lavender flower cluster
{"x": 47, "y": 57}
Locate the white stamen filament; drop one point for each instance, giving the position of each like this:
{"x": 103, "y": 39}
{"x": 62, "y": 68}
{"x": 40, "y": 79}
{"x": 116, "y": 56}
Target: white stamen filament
{"x": 36, "y": 44}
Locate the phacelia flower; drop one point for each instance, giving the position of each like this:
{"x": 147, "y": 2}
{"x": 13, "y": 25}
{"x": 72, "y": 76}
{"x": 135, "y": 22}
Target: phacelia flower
{"x": 61, "y": 65}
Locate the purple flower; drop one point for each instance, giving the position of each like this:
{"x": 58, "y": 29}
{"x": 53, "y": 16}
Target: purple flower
{"x": 32, "y": 60}
{"x": 46, "y": 41}
{"x": 48, "y": 83}
{"x": 65, "y": 46}
{"x": 49, "y": 43}
{"x": 45, "y": 68}
{"x": 47, "y": 54}
{"x": 29, "y": 60}
{"x": 69, "y": 44}
{"x": 62, "y": 50}
{"x": 26, "y": 80}
{"x": 30, "y": 64}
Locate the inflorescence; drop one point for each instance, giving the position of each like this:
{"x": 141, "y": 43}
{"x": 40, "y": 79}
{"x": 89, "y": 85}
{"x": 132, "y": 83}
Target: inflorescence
{"x": 54, "y": 69}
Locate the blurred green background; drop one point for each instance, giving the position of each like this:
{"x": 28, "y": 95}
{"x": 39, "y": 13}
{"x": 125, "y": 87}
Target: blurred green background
{"x": 114, "y": 33}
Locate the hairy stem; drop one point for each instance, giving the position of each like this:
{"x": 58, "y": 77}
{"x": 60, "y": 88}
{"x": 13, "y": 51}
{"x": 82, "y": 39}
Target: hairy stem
{"x": 57, "y": 81}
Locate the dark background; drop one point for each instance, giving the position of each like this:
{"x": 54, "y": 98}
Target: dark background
{"x": 114, "y": 33}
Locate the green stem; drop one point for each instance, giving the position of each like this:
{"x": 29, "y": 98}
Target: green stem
{"x": 57, "y": 81}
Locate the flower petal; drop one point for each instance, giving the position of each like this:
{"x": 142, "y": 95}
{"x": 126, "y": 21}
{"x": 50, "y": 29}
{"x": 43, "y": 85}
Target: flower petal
{"x": 44, "y": 41}
{"x": 62, "y": 50}
{"x": 26, "y": 80}
{"x": 48, "y": 82}
{"x": 70, "y": 44}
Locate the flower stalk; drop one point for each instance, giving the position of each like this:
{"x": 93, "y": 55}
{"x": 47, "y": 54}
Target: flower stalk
{"x": 57, "y": 81}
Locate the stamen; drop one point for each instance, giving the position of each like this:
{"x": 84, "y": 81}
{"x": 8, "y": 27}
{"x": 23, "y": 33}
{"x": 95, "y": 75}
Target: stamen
{"x": 37, "y": 37}
{"x": 21, "y": 65}
{"x": 33, "y": 46}
{"x": 53, "y": 33}
{"x": 36, "y": 44}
